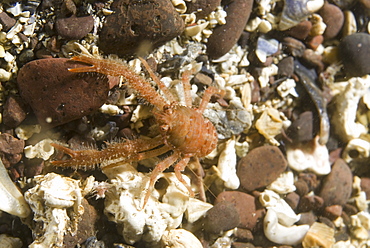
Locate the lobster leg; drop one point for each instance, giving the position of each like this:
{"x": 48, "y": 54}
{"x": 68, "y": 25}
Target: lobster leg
{"x": 179, "y": 167}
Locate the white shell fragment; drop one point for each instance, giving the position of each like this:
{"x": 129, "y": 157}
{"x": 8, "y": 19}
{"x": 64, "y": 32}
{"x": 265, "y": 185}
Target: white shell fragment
{"x": 42, "y": 149}
{"x": 270, "y": 124}
{"x": 359, "y": 147}
{"x": 310, "y": 156}
{"x": 25, "y": 132}
{"x": 12, "y": 201}
{"x": 344, "y": 116}
{"x": 284, "y": 184}
{"x": 227, "y": 165}
{"x": 163, "y": 211}
{"x": 56, "y": 204}
{"x": 180, "y": 238}
{"x": 281, "y": 234}
{"x": 196, "y": 209}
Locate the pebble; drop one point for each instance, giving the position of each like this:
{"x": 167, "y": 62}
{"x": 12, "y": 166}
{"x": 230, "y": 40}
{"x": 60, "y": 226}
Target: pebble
{"x": 202, "y": 8}
{"x": 293, "y": 46}
{"x": 245, "y": 205}
{"x": 221, "y": 217}
{"x": 344, "y": 4}
{"x": 139, "y": 26}
{"x": 354, "y": 50}
{"x": 58, "y": 96}
{"x": 365, "y": 186}
{"x": 14, "y": 111}
{"x": 6, "y": 21}
{"x": 301, "y": 129}
{"x": 300, "y": 31}
{"x": 286, "y": 67}
{"x": 11, "y": 149}
{"x": 333, "y": 17}
{"x": 310, "y": 202}
{"x": 260, "y": 167}
{"x": 307, "y": 218}
{"x": 292, "y": 199}
{"x": 74, "y": 28}
{"x": 33, "y": 167}
{"x": 332, "y": 212}
{"x": 315, "y": 42}
{"x": 224, "y": 37}
{"x": 337, "y": 186}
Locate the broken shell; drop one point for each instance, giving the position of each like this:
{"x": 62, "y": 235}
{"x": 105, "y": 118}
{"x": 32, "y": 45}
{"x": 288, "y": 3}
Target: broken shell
{"x": 43, "y": 150}
{"x": 56, "y": 202}
{"x": 179, "y": 5}
{"x": 319, "y": 235}
{"x": 25, "y": 132}
{"x": 312, "y": 156}
{"x": 269, "y": 124}
{"x": 344, "y": 115}
{"x": 356, "y": 148}
{"x": 195, "y": 29}
{"x": 318, "y": 25}
{"x": 12, "y": 201}
{"x": 280, "y": 234}
{"x": 295, "y": 11}
{"x": 284, "y": 184}
{"x": 227, "y": 165}
{"x": 180, "y": 238}
{"x": 196, "y": 209}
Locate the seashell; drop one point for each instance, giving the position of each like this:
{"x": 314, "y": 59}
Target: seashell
{"x": 180, "y": 6}
{"x": 12, "y": 201}
{"x": 319, "y": 235}
{"x": 295, "y": 11}
{"x": 42, "y": 149}
{"x": 358, "y": 147}
{"x": 180, "y": 238}
{"x": 227, "y": 165}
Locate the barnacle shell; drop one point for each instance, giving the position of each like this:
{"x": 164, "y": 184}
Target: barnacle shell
{"x": 359, "y": 147}
{"x": 42, "y": 149}
{"x": 295, "y": 11}
{"x": 163, "y": 211}
{"x": 180, "y": 238}
{"x": 319, "y": 235}
{"x": 56, "y": 202}
{"x": 344, "y": 115}
{"x": 281, "y": 234}
{"x": 12, "y": 200}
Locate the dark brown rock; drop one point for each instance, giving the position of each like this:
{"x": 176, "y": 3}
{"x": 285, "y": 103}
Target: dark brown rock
{"x": 58, "y": 96}
{"x": 307, "y": 218}
{"x": 202, "y": 8}
{"x": 354, "y": 51}
{"x": 224, "y": 37}
{"x": 332, "y": 212}
{"x": 222, "y": 217}
{"x": 292, "y": 199}
{"x": 74, "y": 28}
{"x": 261, "y": 167}
{"x": 6, "y": 21}
{"x": 301, "y": 129}
{"x": 310, "y": 202}
{"x": 300, "y": 31}
{"x": 365, "y": 186}
{"x": 337, "y": 186}
{"x": 245, "y": 205}
{"x": 11, "y": 149}
{"x": 139, "y": 26}
{"x": 33, "y": 167}
{"x": 333, "y": 17}
{"x": 14, "y": 111}
{"x": 315, "y": 42}
{"x": 286, "y": 67}
{"x": 293, "y": 46}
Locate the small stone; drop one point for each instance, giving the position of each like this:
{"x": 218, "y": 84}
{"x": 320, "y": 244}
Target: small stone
{"x": 307, "y": 218}
{"x": 33, "y": 167}
{"x": 74, "y": 28}
{"x": 242, "y": 245}
{"x": 337, "y": 186}
{"x": 310, "y": 202}
{"x": 245, "y": 206}
{"x": 365, "y": 186}
{"x": 301, "y": 129}
{"x": 224, "y": 37}
{"x": 242, "y": 234}
{"x": 332, "y": 212}
{"x": 286, "y": 67}
{"x": 365, "y": 3}
{"x": 293, "y": 46}
{"x": 222, "y": 217}
{"x": 14, "y": 111}
{"x": 292, "y": 199}
{"x": 315, "y": 42}
{"x": 302, "y": 188}
{"x": 139, "y": 26}
{"x": 354, "y": 51}
{"x": 6, "y": 21}
{"x": 333, "y": 17}
{"x": 11, "y": 149}
{"x": 300, "y": 31}
{"x": 313, "y": 59}
{"x": 202, "y": 8}
{"x": 58, "y": 96}
{"x": 260, "y": 167}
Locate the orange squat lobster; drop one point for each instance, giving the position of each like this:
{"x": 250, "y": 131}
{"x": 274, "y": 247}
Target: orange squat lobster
{"x": 183, "y": 129}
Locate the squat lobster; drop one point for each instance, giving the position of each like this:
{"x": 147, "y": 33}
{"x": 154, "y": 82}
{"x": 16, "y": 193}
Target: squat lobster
{"x": 183, "y": 129}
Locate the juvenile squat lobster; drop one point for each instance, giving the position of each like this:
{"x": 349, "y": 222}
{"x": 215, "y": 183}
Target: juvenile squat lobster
{"x": 183, "y": 129}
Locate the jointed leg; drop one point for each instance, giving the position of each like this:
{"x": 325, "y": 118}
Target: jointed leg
{"x": 187, "y": 88}
{"x": 207, "y": 97}
{"x": 179, "y": 167}
{"x": 159, "y": 168}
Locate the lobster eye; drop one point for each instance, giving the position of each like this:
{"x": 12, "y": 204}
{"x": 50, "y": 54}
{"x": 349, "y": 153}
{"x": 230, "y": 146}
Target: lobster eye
{"x": 164, "y": 128}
